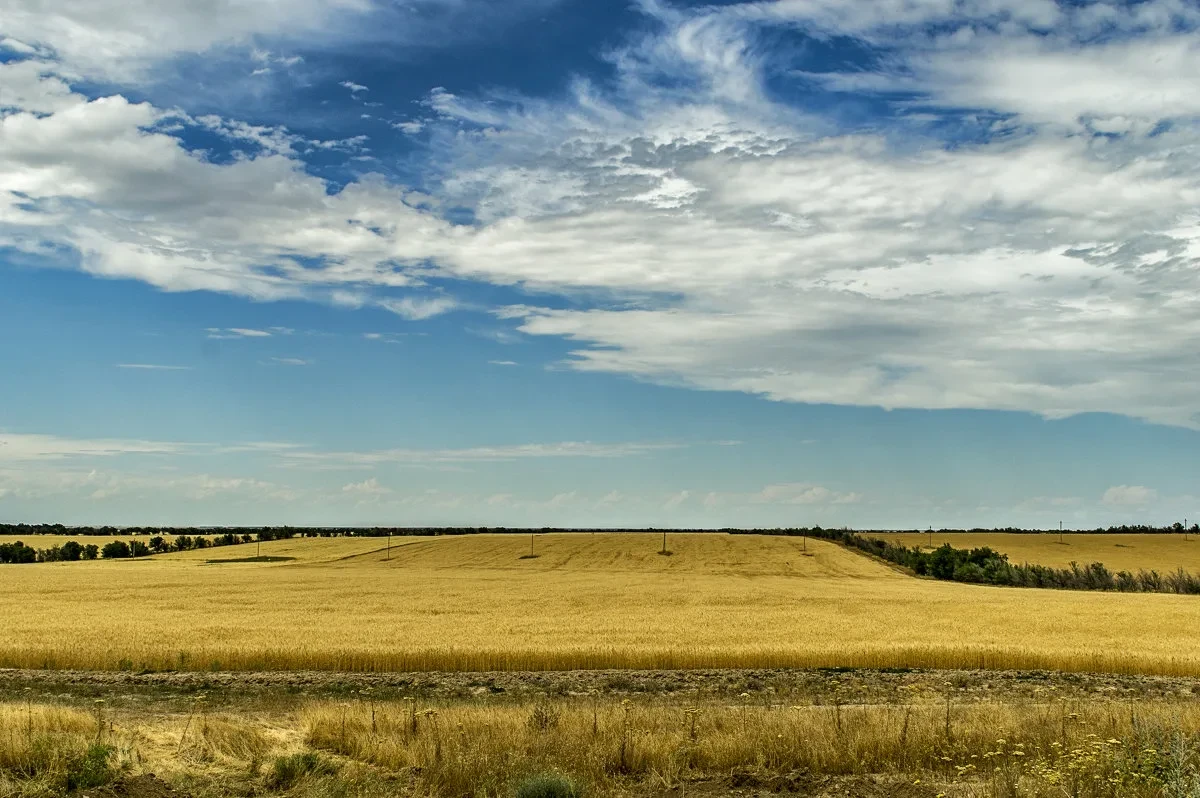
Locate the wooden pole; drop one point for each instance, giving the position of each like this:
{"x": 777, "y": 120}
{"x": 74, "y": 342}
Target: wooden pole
{"x": 531, "y": 554}
{"x": 389, "y": 556}
{"x": 664, "y": 548}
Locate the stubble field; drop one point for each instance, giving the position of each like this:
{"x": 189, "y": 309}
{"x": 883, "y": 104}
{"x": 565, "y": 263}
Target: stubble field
{"x": 586, "y": 601}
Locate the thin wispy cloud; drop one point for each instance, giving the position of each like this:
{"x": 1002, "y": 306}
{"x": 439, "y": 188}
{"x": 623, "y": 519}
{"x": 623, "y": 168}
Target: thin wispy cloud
{"x": 152, "y": 367}
{"x": 232, "y": 333}
{"x": 481, "y": 454}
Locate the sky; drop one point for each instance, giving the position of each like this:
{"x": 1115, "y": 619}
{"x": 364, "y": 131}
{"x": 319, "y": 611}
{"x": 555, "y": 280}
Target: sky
{"x": 889, "y": 264}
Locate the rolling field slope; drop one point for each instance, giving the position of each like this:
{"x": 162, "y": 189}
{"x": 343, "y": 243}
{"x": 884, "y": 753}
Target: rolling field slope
{"x": 1118, "y": 552}
{"x": 608, "y": 600}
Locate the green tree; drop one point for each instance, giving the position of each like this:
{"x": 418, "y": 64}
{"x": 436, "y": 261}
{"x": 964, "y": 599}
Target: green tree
{"x": 115, "y": 550}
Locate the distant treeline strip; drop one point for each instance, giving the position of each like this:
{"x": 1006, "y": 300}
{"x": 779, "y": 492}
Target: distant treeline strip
{"x": 281, "y": 532}
{"x": 19, "y": 552}
{"x": 989, "y": 567}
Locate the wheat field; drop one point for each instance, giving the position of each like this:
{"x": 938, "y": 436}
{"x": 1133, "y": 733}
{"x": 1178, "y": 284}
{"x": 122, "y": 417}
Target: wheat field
{"x": 1132, "y": 553}
{"x": 587, "y": 601}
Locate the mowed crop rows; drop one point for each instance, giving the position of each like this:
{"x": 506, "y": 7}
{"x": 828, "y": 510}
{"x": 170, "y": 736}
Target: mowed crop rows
{"x": 1118, "y": 552}
{"x": 587, "y": 601}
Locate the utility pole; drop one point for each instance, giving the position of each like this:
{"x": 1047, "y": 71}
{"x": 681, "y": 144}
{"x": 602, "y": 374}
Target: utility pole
{"x": 1060, "y": 532}
{"x": 389, "y": 556}
{"x": 664, "y": 548}
{"x": 931, "y": 536}
{"x": 531, "y": 554}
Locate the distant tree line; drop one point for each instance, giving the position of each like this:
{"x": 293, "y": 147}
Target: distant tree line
{"x": 71, "y": 551}
{"x": 282, "y": 532}
{"x": 986, "y": 566}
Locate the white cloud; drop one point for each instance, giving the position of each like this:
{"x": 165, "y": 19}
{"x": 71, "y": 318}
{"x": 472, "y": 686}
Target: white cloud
{"x": 729, "y": 241}
{"x": 222, "y": 333}
{"x": 354, "y": 88}
{"x": 28, "y": 447}
{"x": 98, "y": 485}
{"x": 417, "y": 308}
{"x": 503, "y": 362}
{"x": 117, "y": 40}
{"x": 368, "y": 487}
{"x": 477, "y": 454}
{"x": 802, "y": 493}
{"x": 1129, "y": 496}
{"x": 290, "y": 361}
{"x": 152, "y": 367}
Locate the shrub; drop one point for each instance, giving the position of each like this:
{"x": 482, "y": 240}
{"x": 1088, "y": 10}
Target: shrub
{"x": 17, "y": 553}
{"x": 72, "y": 551}
{"x": 115, "y": 549}
{"x": 547, "y": 785}
{"x": 968, "y": 572}
{"x": 288, "y": 770}
{"x": 138, "y": 549}
{"x": 91, "y": 551}
{"x": 92, "y": 769}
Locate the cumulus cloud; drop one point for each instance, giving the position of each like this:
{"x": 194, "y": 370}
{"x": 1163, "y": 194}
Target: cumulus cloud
{"x": 368, "y": 487}
{"x": 1044, "y": 258}
{"x": 1129, "y": 496}
{"x": 802, "y": 493}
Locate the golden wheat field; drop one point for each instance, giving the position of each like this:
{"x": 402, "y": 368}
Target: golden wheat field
{"x": 1118, "y": 552}
{"x": 587, "y": 601}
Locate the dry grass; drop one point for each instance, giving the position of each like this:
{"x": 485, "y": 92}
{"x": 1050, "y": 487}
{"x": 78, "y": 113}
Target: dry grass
{"x": 1094, "y": 748}
{"x": 1132, "y": 553}
{"x": 484, "y": 750}
{"x": 470, "y": 603}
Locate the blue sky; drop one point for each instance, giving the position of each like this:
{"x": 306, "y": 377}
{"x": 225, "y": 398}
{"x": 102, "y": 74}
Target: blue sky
{"x": 549, "y": 262}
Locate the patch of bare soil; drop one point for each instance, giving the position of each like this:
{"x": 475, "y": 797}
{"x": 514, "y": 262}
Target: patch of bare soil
{"x": 769, "y": 686}
{"x": 145, "y": 786}
{"x": 752, "y": 784}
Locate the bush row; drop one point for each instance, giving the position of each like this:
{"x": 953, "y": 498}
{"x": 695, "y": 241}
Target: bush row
{"x": 989, "y": 567}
